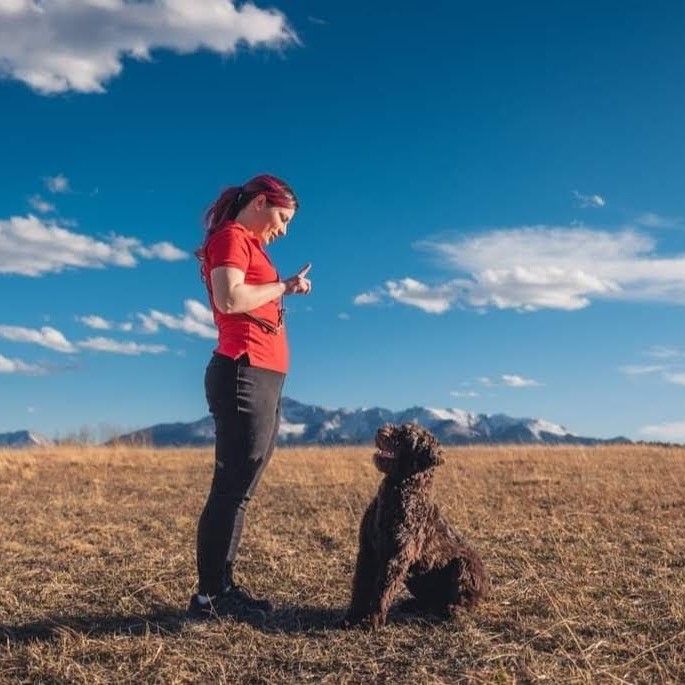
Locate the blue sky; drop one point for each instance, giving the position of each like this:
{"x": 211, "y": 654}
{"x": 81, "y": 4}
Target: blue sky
{"x": 492, "y": 200}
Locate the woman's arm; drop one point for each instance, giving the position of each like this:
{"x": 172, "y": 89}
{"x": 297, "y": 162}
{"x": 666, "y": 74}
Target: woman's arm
{"x": 232, "y": 295}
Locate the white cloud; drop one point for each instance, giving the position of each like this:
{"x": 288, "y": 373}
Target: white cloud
{"x": 434, "y": 300}
{"x": 101, "y": 324}
{"x": 664, "y": 352}
{"x": 18, "y": 366}
{"x": 640, "y": 370}
{"x": 96, "y": 322}
{"x": 100, "y": 344}
{"x": 165, "y": 251}
{"x": 552, "y": 267}
{"x": 677, "y": 378}
{"x": 666, "y": 431}
{"x": 652, "y": 220}
{"x": 46, "y": 337}
{"x": 586, "y": 201}
{"x": 463, "y": 393}
{"x": 344, "y": 316}
{"x": 509, "y": 380}
{"x": 199, "y": 312}
{"x": 55, "y": 46}
{"x": 41, "y": 205}
{"x": 197, "y": 320}
{"x": 30, "y": 246}
{"x": 514, "y": 381}
{"x": 55, "y": 184}
{"x": 368, "y": 298}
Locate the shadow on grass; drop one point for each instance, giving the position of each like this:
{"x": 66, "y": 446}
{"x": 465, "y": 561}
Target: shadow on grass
{"x": 163, "y": 621}
{"x": 171, "y": 621}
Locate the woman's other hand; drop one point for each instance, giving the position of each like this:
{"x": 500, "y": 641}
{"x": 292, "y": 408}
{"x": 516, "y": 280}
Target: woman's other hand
{"x": 299, "y": 284}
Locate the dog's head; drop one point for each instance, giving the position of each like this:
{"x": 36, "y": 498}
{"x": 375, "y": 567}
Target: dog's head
{"x": 406, "y": 450}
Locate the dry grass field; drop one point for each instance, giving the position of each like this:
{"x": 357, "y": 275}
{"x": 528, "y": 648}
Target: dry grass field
{"x": 585, "y": 547}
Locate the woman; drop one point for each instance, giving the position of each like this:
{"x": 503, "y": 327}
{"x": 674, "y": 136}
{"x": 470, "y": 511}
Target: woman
{"x": 244, "y": 378}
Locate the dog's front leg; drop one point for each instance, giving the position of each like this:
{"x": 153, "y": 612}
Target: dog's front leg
{"x": 392, "y": 573}
{"x": 363, "y": 584}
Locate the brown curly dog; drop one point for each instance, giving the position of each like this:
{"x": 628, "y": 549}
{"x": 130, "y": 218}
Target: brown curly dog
{"x": 404, "y": 539}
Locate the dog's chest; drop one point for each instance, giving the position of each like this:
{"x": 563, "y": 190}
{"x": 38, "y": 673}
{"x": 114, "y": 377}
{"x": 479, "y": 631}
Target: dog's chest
{"x": 401, "y": 513}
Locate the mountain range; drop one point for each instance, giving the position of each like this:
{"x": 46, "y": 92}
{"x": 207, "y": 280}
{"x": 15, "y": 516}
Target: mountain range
{"x": 24, "y": 439}
{"x": 304, "y": 424}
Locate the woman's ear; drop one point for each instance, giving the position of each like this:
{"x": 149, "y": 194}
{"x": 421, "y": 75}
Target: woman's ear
{"x": 259, "y": 202}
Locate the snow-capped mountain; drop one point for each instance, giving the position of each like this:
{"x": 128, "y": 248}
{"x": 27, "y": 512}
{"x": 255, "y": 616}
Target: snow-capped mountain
{"x": 303, "y": 424}
{"x": 24, "y": 439}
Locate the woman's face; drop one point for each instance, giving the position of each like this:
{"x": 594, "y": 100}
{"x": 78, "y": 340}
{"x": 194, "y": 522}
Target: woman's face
{"x": 270, "y": 222}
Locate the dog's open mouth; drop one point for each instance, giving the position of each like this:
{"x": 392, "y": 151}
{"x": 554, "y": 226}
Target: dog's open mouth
{"x": 384, "y": 455}
{"x": 384, "y": 447}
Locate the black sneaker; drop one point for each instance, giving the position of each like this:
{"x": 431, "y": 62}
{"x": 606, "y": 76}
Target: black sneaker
{"x": 234, "y": 601}
{"x": 237, "y": 594}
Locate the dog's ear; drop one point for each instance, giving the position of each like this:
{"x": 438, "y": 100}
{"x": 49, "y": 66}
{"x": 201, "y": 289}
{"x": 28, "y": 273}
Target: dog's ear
{"x": 428, "y": 450}
{"x": 436, "y": 457}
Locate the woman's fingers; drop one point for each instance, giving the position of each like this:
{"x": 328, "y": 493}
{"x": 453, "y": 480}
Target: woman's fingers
{"x": 298, "y": 284}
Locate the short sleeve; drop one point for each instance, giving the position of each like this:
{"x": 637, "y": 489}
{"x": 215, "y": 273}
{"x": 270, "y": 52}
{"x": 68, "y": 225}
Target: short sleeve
{"x": 229, "y": 247}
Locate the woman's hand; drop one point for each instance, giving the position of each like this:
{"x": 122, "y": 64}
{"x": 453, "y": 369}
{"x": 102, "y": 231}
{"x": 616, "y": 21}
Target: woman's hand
{"x": 298, "y": 284}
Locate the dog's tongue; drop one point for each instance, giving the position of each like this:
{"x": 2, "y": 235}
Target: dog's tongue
{"x": 383, "y": 454}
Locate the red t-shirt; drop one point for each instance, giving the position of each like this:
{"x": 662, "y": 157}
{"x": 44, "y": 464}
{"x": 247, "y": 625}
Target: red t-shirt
{"x": 233, "y": 245}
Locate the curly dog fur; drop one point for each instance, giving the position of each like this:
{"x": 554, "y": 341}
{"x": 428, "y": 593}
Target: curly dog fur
{"x": 404, "y": 538}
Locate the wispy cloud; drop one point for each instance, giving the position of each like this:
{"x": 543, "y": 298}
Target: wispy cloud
{"x": 664, "y": 352}
{"x": 40, "y": 46}
{"x": 673, "y": 432}
{"x": 641, "y": 370}
{"x": 514, "y": 381}
{"x": 651, "y": 220}
{"x": 18, "y": 366}
{"x": 164, "y": 251}
{"x": 197, "y": 320}
{"x": 96, "y": 322}
{"x": 464, "y": 393}
{"x": 30, "y": 246}
{"x": 41, "y": 205}
{"x": 368, "y": 298}
{"x": 431, "y": 299}
{"x": 675, "y": 377}
{"x": 46, "y": 337}
{"x": 587, "y": 201}
{"x": 344, "y": 316}
{"x": 99, "y": 323}
{"x": 545, "y": 267}
{"x": 55, "y": 184}
{"x": 100, "y": 344}
{"x": 509, "y": 380}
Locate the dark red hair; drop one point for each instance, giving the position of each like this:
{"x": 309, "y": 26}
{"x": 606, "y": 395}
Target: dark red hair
{"x": 233, "y": 199}
{"x": 228, "y": 205}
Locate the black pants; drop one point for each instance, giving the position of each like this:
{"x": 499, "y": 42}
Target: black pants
{"x": 245, "y": 404}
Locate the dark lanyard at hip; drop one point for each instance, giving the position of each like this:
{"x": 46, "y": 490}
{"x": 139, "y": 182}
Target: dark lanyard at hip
{"x": 267, "y": 325}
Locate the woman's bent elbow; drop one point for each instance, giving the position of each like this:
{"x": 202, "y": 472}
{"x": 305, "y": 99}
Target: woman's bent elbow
{"x": 225, "y": 307}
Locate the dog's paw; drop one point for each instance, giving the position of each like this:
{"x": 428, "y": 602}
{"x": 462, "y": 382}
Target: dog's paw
{"x": 376, "y": 621}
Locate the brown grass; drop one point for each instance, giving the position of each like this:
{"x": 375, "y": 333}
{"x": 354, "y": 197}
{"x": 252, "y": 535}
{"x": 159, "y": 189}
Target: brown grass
{"x": 584, "y": 546}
